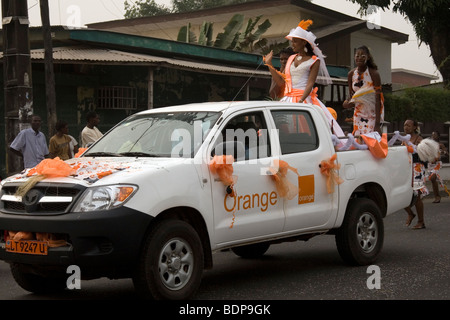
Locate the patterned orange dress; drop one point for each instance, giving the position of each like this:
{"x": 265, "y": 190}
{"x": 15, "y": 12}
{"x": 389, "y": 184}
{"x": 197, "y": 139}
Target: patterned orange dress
{"x": 364, "y": 116}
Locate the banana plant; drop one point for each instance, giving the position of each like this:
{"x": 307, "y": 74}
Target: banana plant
{"x": 232, "y": 38}
{"x": 228, "y": 39}
{"x": 250, "y": 41}
{"x": 186, "y": 35}
{"x": 206, "y": 32}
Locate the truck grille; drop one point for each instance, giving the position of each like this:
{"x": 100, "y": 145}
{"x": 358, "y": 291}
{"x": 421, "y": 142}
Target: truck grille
{"x": 42, "y": 199}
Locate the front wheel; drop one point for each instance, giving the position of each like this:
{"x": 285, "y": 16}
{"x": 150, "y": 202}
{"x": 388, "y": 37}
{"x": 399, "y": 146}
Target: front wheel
{"x": 35, "y": 283}
{"x": 171, "y": 263}
{"x": 360, "y": 238}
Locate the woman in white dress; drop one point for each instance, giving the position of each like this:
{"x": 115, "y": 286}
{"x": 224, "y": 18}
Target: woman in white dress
{"x": 303, "y": 69}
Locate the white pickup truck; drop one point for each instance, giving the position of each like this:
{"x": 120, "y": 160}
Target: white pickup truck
{"x": 144, "y": 202}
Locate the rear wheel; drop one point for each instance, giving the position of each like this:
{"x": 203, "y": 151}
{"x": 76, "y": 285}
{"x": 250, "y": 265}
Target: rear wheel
{"x": 360, "y": 238}
{"x": 171, "y": 263}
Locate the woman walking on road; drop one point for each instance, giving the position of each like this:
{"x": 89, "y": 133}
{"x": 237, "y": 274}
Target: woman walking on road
{"x": 411, "y": 127}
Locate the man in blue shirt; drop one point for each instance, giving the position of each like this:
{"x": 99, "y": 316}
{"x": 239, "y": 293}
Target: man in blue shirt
{"x": 31, "y": 144}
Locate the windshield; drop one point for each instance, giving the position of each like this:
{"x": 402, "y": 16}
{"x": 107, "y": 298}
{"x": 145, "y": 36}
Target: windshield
{"x": 178, "y": 134}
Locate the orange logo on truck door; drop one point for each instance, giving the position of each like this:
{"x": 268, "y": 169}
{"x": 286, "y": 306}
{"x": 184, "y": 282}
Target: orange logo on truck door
{"x": 305, "y": 189}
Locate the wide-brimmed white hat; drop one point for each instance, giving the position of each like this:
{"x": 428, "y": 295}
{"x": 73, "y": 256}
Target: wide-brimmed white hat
{"x": 302, "y": 33}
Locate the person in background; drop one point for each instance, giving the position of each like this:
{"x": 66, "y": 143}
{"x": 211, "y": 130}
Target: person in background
{"x": 90, "y": 133}
{"x": 277, "y": 86}
{"x": 365, "y": 81}
{"x": 411, "y": 127}
{"x": 73, "y": 146}
{"x": 31, "y": 144}
{"x": 434, "y": 167}
{"x": 59, "y": 145}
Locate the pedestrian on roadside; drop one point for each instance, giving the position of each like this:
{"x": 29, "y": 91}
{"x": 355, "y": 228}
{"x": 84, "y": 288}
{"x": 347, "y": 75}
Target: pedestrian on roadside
{"x": 91, "y": 133}
{"x": 74, "y": 147}
{"x": 411, "y": 127}
{"x": 31, "y": 144}
{"x": 435, "y": 166}
{"x": 59, "y": 145}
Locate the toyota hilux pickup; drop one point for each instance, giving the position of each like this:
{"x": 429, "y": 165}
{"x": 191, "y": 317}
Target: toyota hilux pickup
{"x": 165, "y": 189}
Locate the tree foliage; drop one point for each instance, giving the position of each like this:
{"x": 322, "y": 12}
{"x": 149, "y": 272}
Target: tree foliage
{"x": 144, "y": 8}
{"x": 236, "y": 35}
{"x": 431, "y": 23}
{"x": 422, "y": 104}
{"x": 149, "y": 8}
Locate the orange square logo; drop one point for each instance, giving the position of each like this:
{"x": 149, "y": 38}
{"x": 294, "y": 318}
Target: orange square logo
{"x": 305, "y": 189}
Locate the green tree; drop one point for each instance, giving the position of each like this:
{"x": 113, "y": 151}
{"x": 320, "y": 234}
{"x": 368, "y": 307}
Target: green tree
{"x": 431, "y": 23}
{"x": 148, "y": 8}
{"x": 144, "y": 8}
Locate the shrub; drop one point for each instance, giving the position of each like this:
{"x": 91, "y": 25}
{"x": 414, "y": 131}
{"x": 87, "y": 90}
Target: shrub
{"x": 422, "y": 104}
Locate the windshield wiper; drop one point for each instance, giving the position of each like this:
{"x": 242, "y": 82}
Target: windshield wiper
{"x": 139, "y": 154}
{"x": 102, "y": 154}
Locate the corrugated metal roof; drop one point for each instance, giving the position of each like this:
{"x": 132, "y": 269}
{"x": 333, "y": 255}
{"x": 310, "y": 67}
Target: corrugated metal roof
{"x": 101, "y": 55}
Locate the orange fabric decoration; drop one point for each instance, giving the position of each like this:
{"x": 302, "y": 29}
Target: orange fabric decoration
{"x": 104, "y": 174}
{"x": 21, "y": 235}
{"x": 328, "y": 168}
{"x": 304, "y": 24}
{"x": 285, "y": 188}
{"x": 80, "y": 151}
{"x": 47, "y": 168}
{"x": 409, "y": 146}
{"x": 379, "y": 149}
{"x": 54, "y": 168}
{"x": 50, "y": 239}
{"x": 222, "y": 166}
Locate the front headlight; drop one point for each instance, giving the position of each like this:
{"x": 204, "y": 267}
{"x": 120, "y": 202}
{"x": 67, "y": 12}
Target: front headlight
{"x": 104, "y": 198}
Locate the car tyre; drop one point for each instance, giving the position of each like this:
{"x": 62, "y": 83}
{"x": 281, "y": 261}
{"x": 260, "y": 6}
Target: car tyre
{"x": 171, "y": 263}
{"x": 35, "y": 283}
{"x": 360, "y": 238}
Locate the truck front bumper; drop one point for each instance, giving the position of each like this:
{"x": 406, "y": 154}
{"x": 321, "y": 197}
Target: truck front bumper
{"x": 94, "y": 239}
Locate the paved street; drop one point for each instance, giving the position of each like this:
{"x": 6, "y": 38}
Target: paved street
{"x": 414, "y": 265}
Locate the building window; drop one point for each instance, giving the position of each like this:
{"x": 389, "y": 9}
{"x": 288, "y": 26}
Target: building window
{"x": 117, "y": 98}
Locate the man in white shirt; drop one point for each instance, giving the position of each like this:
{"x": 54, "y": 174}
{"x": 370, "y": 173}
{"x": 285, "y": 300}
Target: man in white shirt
{"x": 31, "y": 144}
{"x": 90, "y": 133}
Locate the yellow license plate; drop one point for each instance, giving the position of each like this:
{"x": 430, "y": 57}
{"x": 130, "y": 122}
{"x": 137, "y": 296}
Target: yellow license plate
{"x": 27, "y": 247}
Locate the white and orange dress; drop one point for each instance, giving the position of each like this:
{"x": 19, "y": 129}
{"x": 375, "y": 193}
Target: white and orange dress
{"x": 296, "y": 79}
{"x": 364, "y": 116}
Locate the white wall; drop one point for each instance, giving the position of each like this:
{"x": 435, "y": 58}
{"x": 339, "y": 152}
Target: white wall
{"x": 380, "y": 49}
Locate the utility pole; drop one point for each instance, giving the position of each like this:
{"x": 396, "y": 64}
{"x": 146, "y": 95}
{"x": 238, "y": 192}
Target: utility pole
{"x": 49, "y": 71}
{"x": 18, "y": 91}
